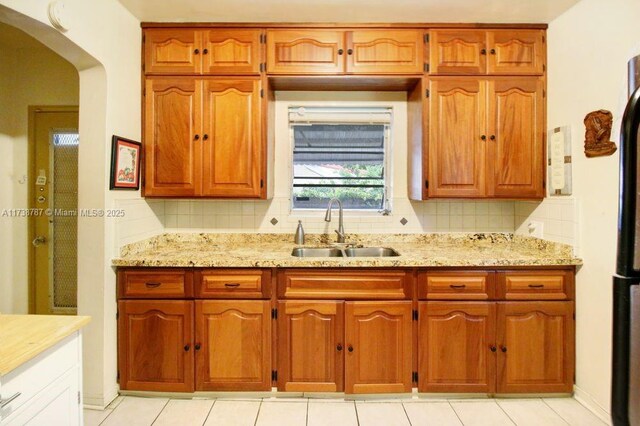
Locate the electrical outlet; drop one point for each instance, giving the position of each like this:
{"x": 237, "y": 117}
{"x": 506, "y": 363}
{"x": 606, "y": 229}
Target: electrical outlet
{"x": 536, "y": 229}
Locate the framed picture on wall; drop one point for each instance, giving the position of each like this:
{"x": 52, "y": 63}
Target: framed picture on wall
{"x": 125, "y": 163}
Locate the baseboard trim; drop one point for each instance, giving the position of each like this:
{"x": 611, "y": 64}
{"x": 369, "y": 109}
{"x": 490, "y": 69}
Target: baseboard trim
{"x": 591, "y": 404}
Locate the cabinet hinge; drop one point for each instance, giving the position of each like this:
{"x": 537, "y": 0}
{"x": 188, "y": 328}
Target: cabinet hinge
{"x": 274, "y": 375}
{"x": 426, "y": 38}
{"x": 274, "y": 313}
{"x": 414, "y": 376}
{"x": 118, "y": 375}
{"x": 574, "y": 316}
{"x": 544, "y": 93}
{"x": 544, "y": 184}
{"x": 544, "y": 67}
{"x": 262, "y": 67}
{"x": 144, "y": 90}
{"x": 426, "y": 184}
{"x": 262, "y": 93}
{"x": 427, "y": 93}
{"x": 144, "y": 37}
{"x": 426, "y": 67}
{"x": 414, "y": 315}
{"x": 261, "y": 183}
{"x": 117, "y": 314}
{"x": 544, "y": 39}
{"x": 263, "y": 37}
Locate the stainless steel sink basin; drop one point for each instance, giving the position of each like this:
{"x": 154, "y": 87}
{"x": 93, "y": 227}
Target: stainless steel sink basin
{"x": 370, "y": 252}
{"x": 317, "y": 252}
{"x": 346, "y": 252}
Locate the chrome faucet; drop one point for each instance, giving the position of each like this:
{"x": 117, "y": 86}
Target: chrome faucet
{"x": 327, "y": 218}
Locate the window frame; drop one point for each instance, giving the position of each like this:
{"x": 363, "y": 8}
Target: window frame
{"x": 387, "y": 207}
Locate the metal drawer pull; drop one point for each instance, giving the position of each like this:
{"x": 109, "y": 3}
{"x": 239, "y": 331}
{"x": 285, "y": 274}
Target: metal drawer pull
{"x": 5, "y": 402}
{"x": 152, "y": 284}
{"x": 536, "y": 285}
{"x": 232, "y": 284}
{"x": 458, "y": 285}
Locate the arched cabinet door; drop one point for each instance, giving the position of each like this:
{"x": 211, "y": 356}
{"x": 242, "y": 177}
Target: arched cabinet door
{"x": 516, "y": 52}
{"x": 457, "y": 350}
{"x": 233, "y": 345}
{"x": 385, "y": 52}
{"x": 172, "y": 51}
{"x": 305, "y": 51}
{"x": 378, "y": 342}
{"x": 535, "y": 347}
{"x": 311, "y": 346}
{"x": 155, "y": 345}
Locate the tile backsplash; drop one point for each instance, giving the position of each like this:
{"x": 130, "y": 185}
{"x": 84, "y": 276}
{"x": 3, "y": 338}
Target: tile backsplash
{"x": 144, "y": 218}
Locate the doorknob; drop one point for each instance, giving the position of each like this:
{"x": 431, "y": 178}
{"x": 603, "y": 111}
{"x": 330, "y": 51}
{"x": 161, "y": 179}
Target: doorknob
{"x": 39, "y": 240}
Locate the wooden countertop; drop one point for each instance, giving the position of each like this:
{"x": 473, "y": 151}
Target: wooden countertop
{"x": 23, "y": 337}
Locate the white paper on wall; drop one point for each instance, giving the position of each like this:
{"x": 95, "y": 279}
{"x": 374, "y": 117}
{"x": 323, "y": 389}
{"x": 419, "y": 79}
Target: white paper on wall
{"x": 559, "y": 161}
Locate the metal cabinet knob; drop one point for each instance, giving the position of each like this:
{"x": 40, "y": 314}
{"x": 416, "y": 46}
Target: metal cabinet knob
{"x": 350, "y": 348}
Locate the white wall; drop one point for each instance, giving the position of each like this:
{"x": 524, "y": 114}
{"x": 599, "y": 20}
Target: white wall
{"x": 103, "y": 42}
{"x": 588, "y": 49}
{"x": 30, "y": 75}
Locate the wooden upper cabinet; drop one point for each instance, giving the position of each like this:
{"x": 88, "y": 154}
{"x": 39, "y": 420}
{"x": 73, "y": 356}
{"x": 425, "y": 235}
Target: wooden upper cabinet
{"x": 148, "y": 329}
{"x": 385, "y": 52}
{"x": 232, "y": 140}
{"x": 457, "y": 349}
{"x": 535, "y": 347}
{"x": 172, "y": 123}
{"x": 172, "y": 51}
{"x": 514, "y": 52}
{"x": 311, "y": 346}
{"x": 211, "y": 51}
{"x": 457, "y": 137}
{"x": 233, "y": 345}
{"x": 231, "y": 51}
{"x": 515, "y": 155}
{"x": 305, "y": 51}
{"x": 493, "y": 52}
{"x": 378, "y": 341}
{"x": 457, "y": 52}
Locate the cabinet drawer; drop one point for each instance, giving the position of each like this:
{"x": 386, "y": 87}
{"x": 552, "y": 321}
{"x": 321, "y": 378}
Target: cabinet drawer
{"x": 456, "y": 285}
{"x": 535, "y": 285}
{"x": 231, "y": 283}
{"x": 349, "y": 284}
{"x": 155, "y": 283}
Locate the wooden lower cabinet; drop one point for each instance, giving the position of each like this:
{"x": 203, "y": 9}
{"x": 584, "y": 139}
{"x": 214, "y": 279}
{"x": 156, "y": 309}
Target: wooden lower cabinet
{"x": 496, "y": 347}
{"x": 311, "y": 346}
{"x": 457, "y": 351}
{"x": 378, "y": 338}
{"x": 155, "y": 345}
{"x": 233, "y": 345}
{"x": 535, "y": 347}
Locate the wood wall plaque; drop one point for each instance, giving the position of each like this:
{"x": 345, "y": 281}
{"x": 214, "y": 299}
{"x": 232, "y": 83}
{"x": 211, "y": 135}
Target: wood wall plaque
{"x": 597, "y": 134}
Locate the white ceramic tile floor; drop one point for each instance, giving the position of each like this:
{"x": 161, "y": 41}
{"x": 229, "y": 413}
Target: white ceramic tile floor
{"x": 131, "y": 411}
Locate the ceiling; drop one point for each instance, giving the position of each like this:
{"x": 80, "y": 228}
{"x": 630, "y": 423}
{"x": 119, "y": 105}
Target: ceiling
{"x": 489, "y": 11}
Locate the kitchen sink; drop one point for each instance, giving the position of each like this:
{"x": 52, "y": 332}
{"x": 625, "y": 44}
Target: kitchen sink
{"x": 370, "y": 252}
{"x": 347, "y": 252}
{"x": 317, "y": 252}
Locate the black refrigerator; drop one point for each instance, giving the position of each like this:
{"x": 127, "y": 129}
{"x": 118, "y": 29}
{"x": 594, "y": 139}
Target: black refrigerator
{"x": 625, "y": 395}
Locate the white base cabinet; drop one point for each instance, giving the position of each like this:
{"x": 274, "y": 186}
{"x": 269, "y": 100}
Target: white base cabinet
{"x": 45, "y": 390}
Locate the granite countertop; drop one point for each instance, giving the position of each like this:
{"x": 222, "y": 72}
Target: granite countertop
{"x": 24, "y": 337}
{"x": 416, "y": 250}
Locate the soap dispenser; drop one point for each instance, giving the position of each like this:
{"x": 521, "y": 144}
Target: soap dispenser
{"x": 299, "y": 238}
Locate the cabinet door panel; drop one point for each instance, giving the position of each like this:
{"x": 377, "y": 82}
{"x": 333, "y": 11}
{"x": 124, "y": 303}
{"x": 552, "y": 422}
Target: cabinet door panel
{"x": 378, "y": 337}
{"x": 235, "y": 345}
{"x": 456, "y": 350}
{"x": 515, "y": 162}
{"x": 231, "y": 51}
{"x": 535, "y": 347}
{"x": 172, "y": 51}
{"x": 171, "y": 153}
{"x": 155, "y": 339}
{"x": 305, "y": 51}
{"x": 456, "y": 52}
{"x": 457, "y": 123}
{"x": 516, "y": 52}
{"x": 385, "y": 52}
{"x": 232, "y": 144}
{"x": 311, "y": 346}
